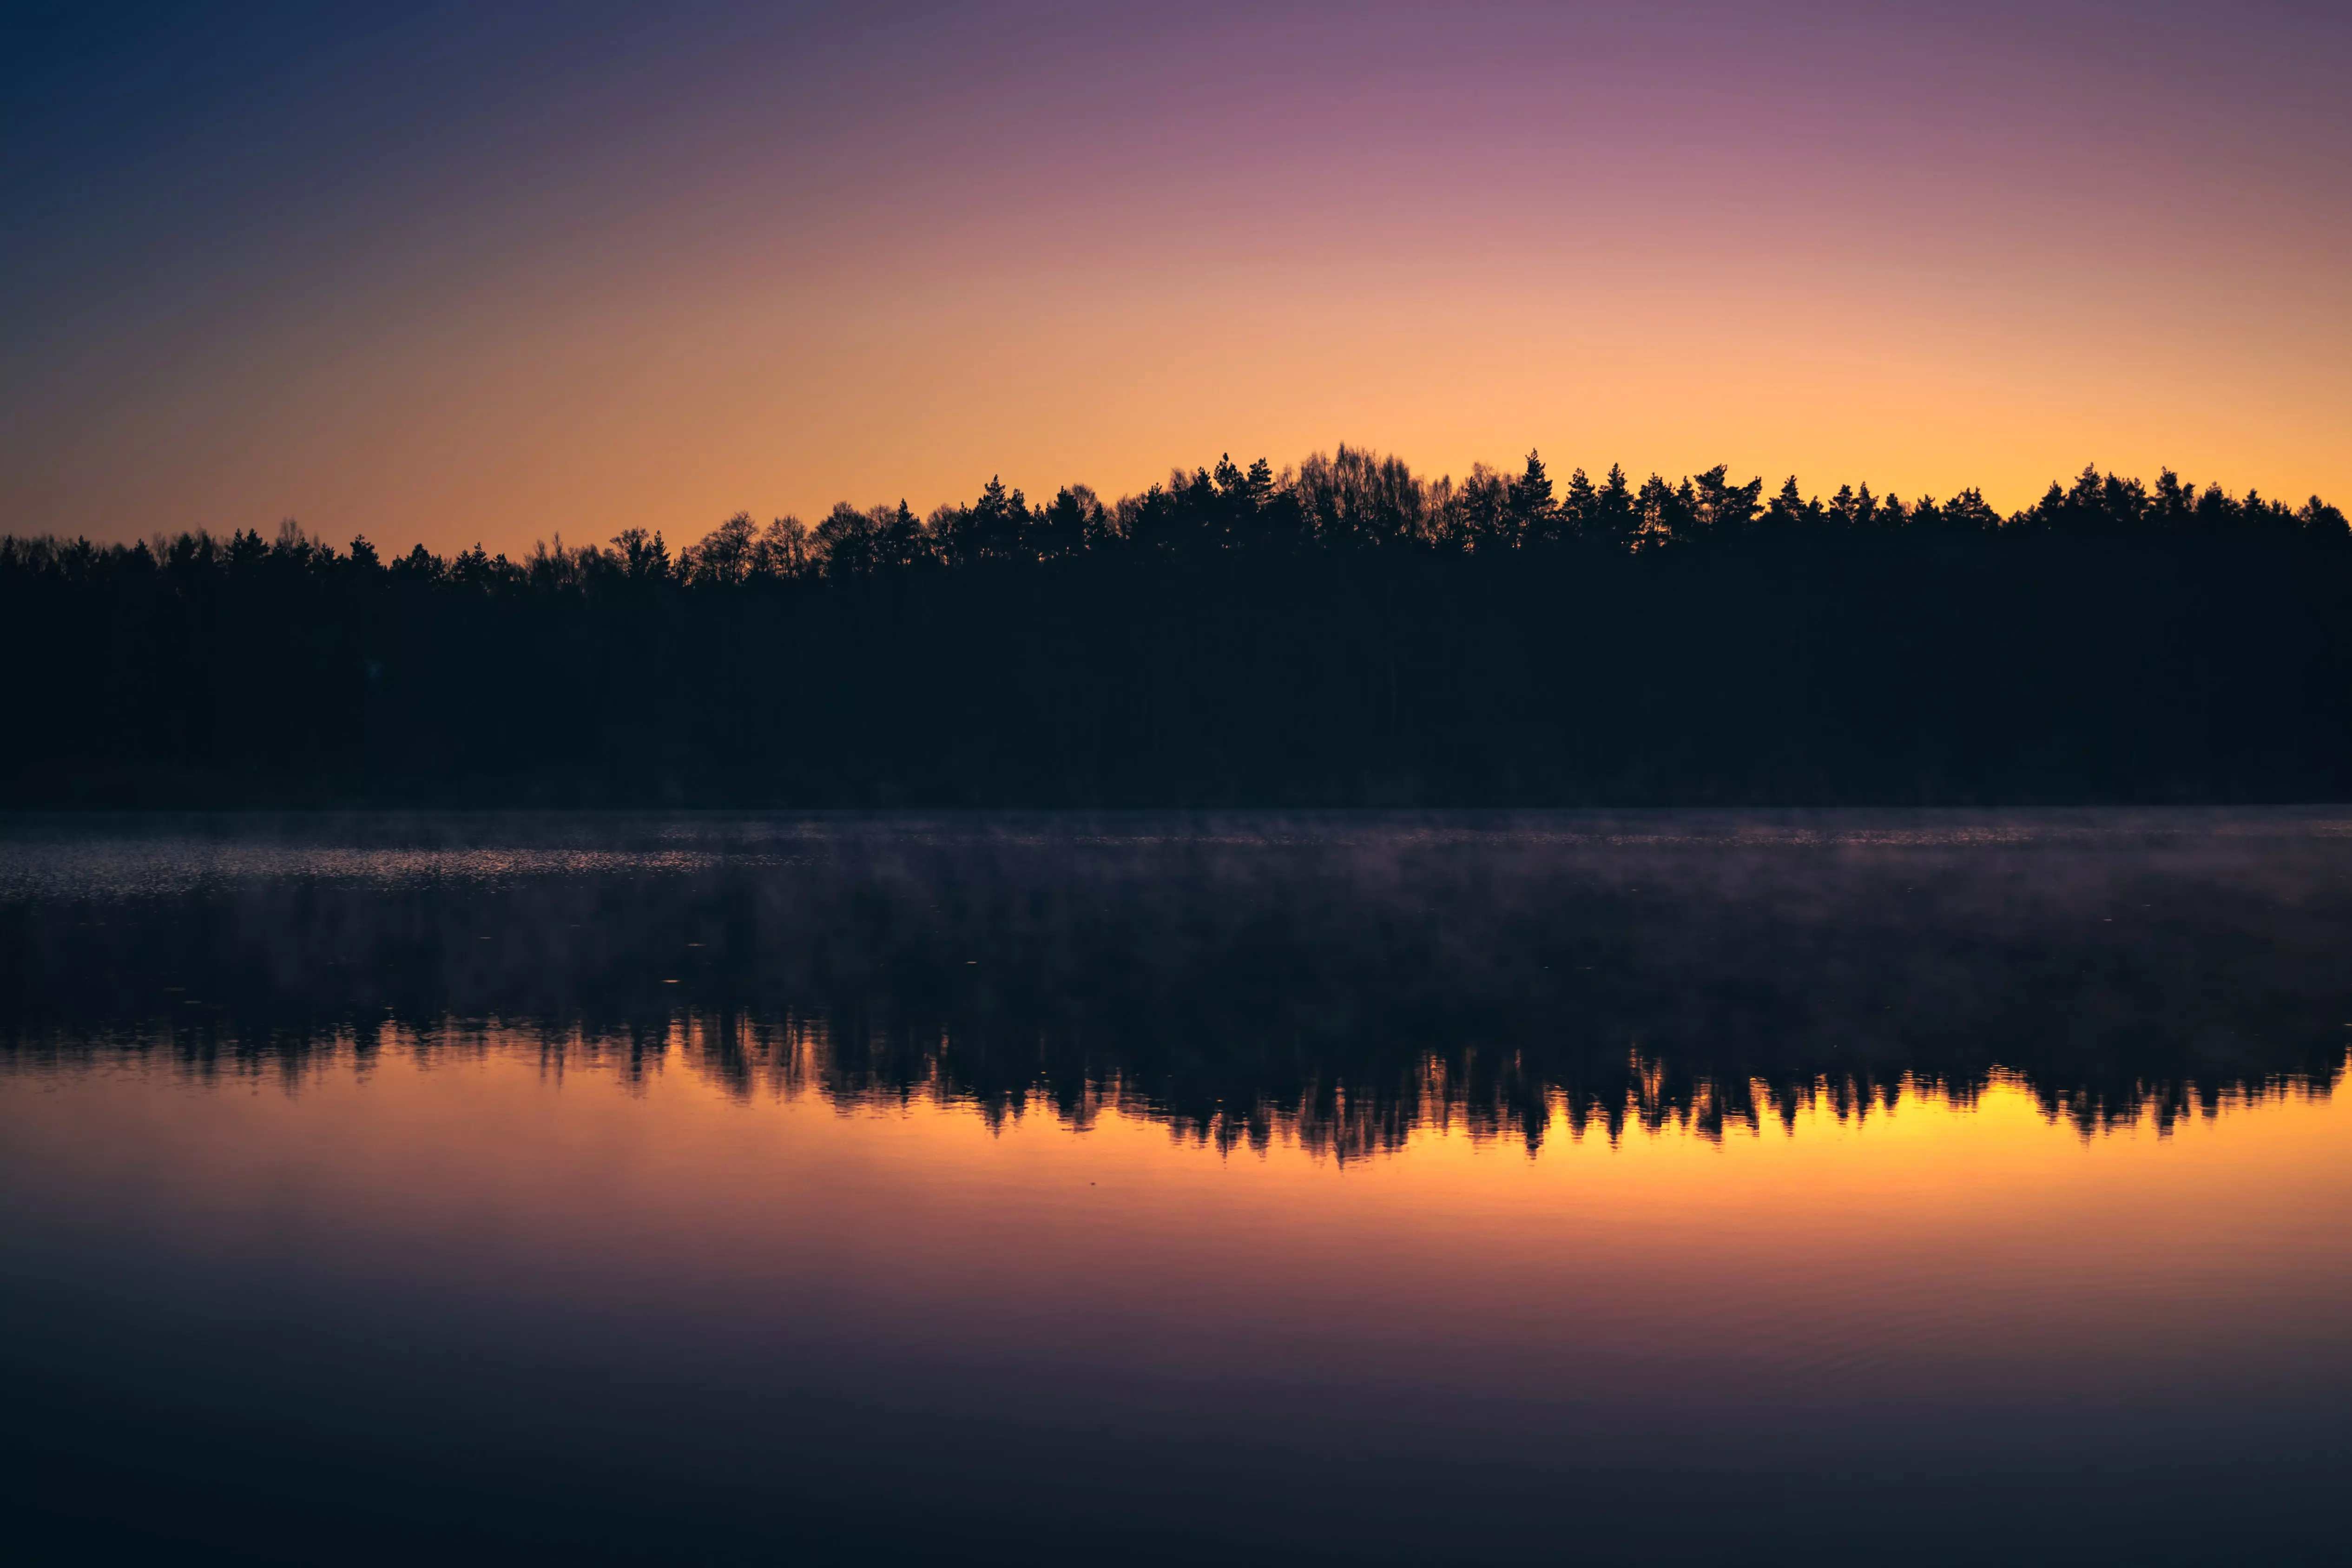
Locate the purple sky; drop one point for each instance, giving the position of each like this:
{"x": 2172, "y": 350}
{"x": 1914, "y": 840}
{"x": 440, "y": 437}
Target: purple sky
{"x": 450, "y": 272}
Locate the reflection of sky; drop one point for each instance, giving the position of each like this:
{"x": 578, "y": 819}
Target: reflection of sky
{"x": 1933, "y": 1293}
{"x": 445, "y": 273}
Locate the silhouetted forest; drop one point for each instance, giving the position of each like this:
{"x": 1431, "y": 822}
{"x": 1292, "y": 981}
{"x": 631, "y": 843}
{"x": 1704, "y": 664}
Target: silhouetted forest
{"x": 1342, "y": 633}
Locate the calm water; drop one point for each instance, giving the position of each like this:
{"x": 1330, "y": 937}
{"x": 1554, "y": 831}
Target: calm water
{"x": 1837, "y": 1187}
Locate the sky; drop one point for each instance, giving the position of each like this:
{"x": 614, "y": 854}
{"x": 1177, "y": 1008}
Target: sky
{"x": 445, "y": 273}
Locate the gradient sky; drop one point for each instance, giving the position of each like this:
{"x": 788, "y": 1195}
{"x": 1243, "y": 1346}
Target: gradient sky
{"x": 446, "y": 272}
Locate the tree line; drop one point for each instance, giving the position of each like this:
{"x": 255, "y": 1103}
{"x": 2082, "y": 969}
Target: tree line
{"x": 1344, "y": 631}
{"x": 1356, "y": 499}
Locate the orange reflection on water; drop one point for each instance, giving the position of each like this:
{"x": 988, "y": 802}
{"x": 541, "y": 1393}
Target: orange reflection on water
{"x": 960, "y": 1316}
{"x": 1942, "y": 1236}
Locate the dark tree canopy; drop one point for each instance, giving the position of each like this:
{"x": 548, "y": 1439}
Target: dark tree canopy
{"x": 1342, "y": 632}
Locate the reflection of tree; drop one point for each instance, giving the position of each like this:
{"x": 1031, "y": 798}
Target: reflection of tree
{"x": 1344, "y": 1113}
{"x": 1342, "y": 982}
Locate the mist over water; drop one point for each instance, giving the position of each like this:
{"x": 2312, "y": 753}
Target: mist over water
{"x": 1227, "y": 971}
{"x": 1364, "y": 1186}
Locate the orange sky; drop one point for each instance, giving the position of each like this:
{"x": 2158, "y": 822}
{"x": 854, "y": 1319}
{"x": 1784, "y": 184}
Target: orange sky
{"x": 452, "y": 286}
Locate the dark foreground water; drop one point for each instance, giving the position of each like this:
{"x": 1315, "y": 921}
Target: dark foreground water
{"x": 1840, "y": 1187}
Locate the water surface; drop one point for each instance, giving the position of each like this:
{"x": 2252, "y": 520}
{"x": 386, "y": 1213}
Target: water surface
{"x": 1826, "y": 1187}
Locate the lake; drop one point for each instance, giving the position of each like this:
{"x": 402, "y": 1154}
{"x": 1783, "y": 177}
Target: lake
{"x": 1837, "y": 1187}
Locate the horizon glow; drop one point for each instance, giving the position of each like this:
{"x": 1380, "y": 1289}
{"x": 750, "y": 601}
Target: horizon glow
{"x": 446, "y": 275}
